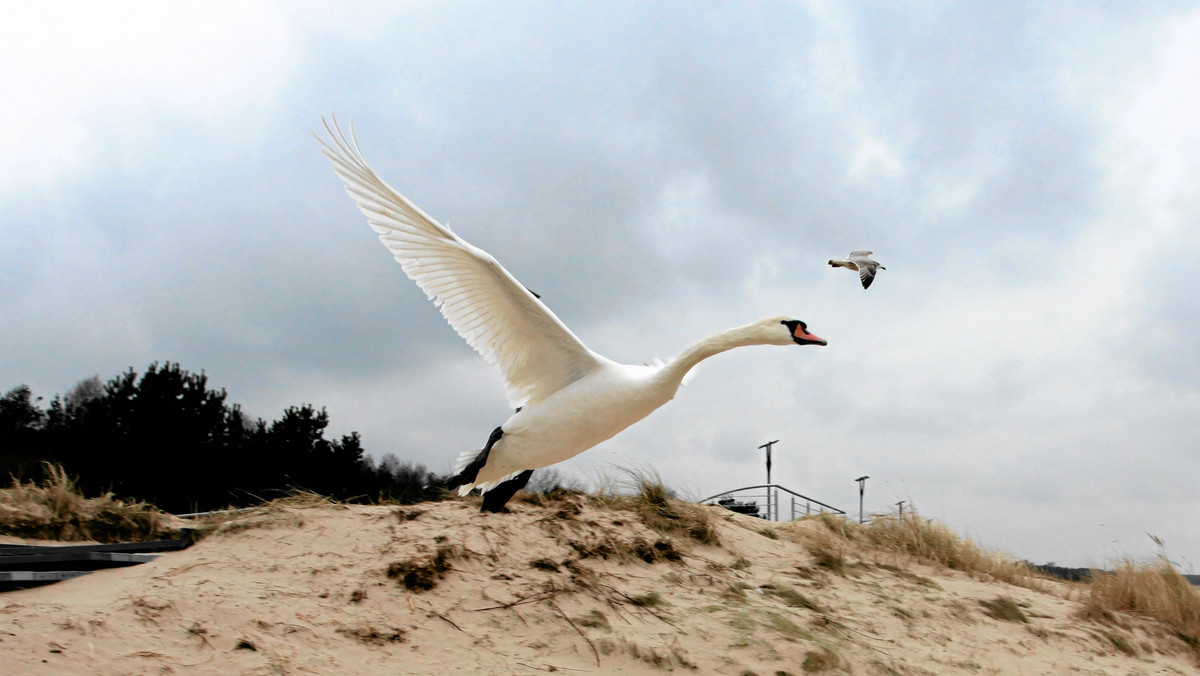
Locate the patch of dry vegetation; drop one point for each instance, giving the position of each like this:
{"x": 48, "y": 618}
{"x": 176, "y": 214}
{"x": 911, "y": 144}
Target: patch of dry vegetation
{"x": 793, "y": 598}
{"x": 285, "y": 512}
{"x": 57, "y": 510}
{"x": 1004, "y": 608}
{"x": 371, "y": 635}
{"x": 822, "y": 659}
{"x": 645, "y": 495}
{"x": 423, "y": 573}
{"x": 830, "y": 538}
{"x": 932, "y": 541}
{"x": 1156, "y": 590}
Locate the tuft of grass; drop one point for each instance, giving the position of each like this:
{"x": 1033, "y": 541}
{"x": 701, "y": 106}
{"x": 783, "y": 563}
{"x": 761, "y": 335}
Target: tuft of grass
{"x": 829, "y": 537}
{"x": 822, "y": 659}
{"x": 594, "y": 620}
{"x": 423, "y": 573}
{"x": 665, "y": 658}
{"x": 371, "y": 635}
{"x": 735, "y": 591}
{"x": 1156, "y": 590}
{"x": 606, "y": 545}
{"x": 935, "y": 542}
{"x": 828, "y": 551}
{"x": 786, "y": 628}
{"x": 544, "y": 564}
{"x": 1004, "y": 608}
{"x": 920, "y": 580}
{"x": 661, "y": 550}
{"x": 648, "y": 600}
{"x": 302, "y": 497}
{"x": 793, "y": 598}
{"x": 1119, "y": 642}
{"x": 408, "y": 514}
{"x": 57, "y": 510}
{"x": 644, "y": 494}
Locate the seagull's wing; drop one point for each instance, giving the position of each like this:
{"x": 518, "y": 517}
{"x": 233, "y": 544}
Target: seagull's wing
{"x": 866, "y": 273}
{"x": 859, "y": 254}
{"x": 497, "y": 316}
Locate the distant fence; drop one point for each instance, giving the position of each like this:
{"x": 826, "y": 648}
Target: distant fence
{"x": 773, "y": 505}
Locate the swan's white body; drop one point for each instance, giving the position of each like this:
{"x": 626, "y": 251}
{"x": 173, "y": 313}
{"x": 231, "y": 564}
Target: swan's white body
{"x": 568, "y": 398}
{"x": 860, "y": 261}
{"x": 601, "y": 404}
{"x": 573, "y": 419}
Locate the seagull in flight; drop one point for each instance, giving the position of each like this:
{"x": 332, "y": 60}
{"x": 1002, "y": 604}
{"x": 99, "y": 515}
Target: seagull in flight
{"x": 859, "y": 260}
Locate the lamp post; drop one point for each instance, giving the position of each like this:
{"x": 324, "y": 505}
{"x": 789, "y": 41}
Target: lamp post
{"x": 768, "y": 446}
{"x": 862, "y": 486}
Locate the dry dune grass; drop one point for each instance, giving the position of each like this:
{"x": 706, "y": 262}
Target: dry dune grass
{"x": 642, "y": 492}
{"x": 56, "y": 510}
{"x": 933, "y": 541}
{"x": 829, "y": 538}
{"x": 1156, "y": 590}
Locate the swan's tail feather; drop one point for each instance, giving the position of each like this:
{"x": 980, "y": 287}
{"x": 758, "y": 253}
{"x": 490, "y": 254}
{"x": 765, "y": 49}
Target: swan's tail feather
{"x": 466, "y": 469}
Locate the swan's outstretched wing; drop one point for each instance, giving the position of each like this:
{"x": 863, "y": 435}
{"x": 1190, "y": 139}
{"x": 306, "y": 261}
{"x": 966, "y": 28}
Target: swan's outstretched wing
{"x": 501, "y": 319}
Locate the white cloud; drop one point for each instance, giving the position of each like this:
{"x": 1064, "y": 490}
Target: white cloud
{"x": 74, "y": 72}
{"x": 875, "y": 157}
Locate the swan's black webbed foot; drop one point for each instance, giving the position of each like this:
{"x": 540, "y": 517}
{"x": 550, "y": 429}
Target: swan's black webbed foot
{"x": 493, "y": 500}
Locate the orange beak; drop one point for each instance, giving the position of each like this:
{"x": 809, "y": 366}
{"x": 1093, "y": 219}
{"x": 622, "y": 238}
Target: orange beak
{"x": 803, "y": 337}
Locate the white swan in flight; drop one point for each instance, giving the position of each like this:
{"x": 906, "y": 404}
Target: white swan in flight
{"x": 861, "y": 261}
{"x": 568, "y": 398}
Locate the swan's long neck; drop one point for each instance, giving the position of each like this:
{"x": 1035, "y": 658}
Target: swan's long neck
{"x": 714, "y": 344}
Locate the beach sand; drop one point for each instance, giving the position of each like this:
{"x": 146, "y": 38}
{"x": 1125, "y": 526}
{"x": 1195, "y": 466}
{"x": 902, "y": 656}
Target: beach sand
{"x": 317, "y": 588}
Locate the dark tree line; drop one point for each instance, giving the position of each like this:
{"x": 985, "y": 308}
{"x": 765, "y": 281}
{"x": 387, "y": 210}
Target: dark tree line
{"x": 166, "y": 438}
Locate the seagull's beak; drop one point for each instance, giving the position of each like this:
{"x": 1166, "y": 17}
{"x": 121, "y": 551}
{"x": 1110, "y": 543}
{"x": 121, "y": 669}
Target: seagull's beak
{"x": 803, "y": 337}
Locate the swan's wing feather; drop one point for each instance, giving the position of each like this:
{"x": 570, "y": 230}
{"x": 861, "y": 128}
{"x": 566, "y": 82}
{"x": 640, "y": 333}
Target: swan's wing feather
{"x": 483, "y": 302}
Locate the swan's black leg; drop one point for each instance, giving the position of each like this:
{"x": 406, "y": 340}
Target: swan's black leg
{"x": 468, "y": 474}
{"x": 493, "y": 500}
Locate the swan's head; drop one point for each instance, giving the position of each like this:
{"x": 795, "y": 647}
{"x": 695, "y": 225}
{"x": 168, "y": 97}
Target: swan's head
{"x": 785, "y": 331}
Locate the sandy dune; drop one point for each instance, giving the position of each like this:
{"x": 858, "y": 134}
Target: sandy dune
{"x": 562, "y": 587}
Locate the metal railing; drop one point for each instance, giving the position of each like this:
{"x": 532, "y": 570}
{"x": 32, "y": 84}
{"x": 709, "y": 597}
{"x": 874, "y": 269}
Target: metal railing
{"x": 739, "y": 500}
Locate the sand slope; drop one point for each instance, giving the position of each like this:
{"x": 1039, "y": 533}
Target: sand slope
{"x": 305, "y": 589}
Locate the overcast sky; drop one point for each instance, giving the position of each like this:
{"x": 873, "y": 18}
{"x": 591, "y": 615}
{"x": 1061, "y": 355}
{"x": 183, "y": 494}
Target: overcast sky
{"x": 1026, "y": 370}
